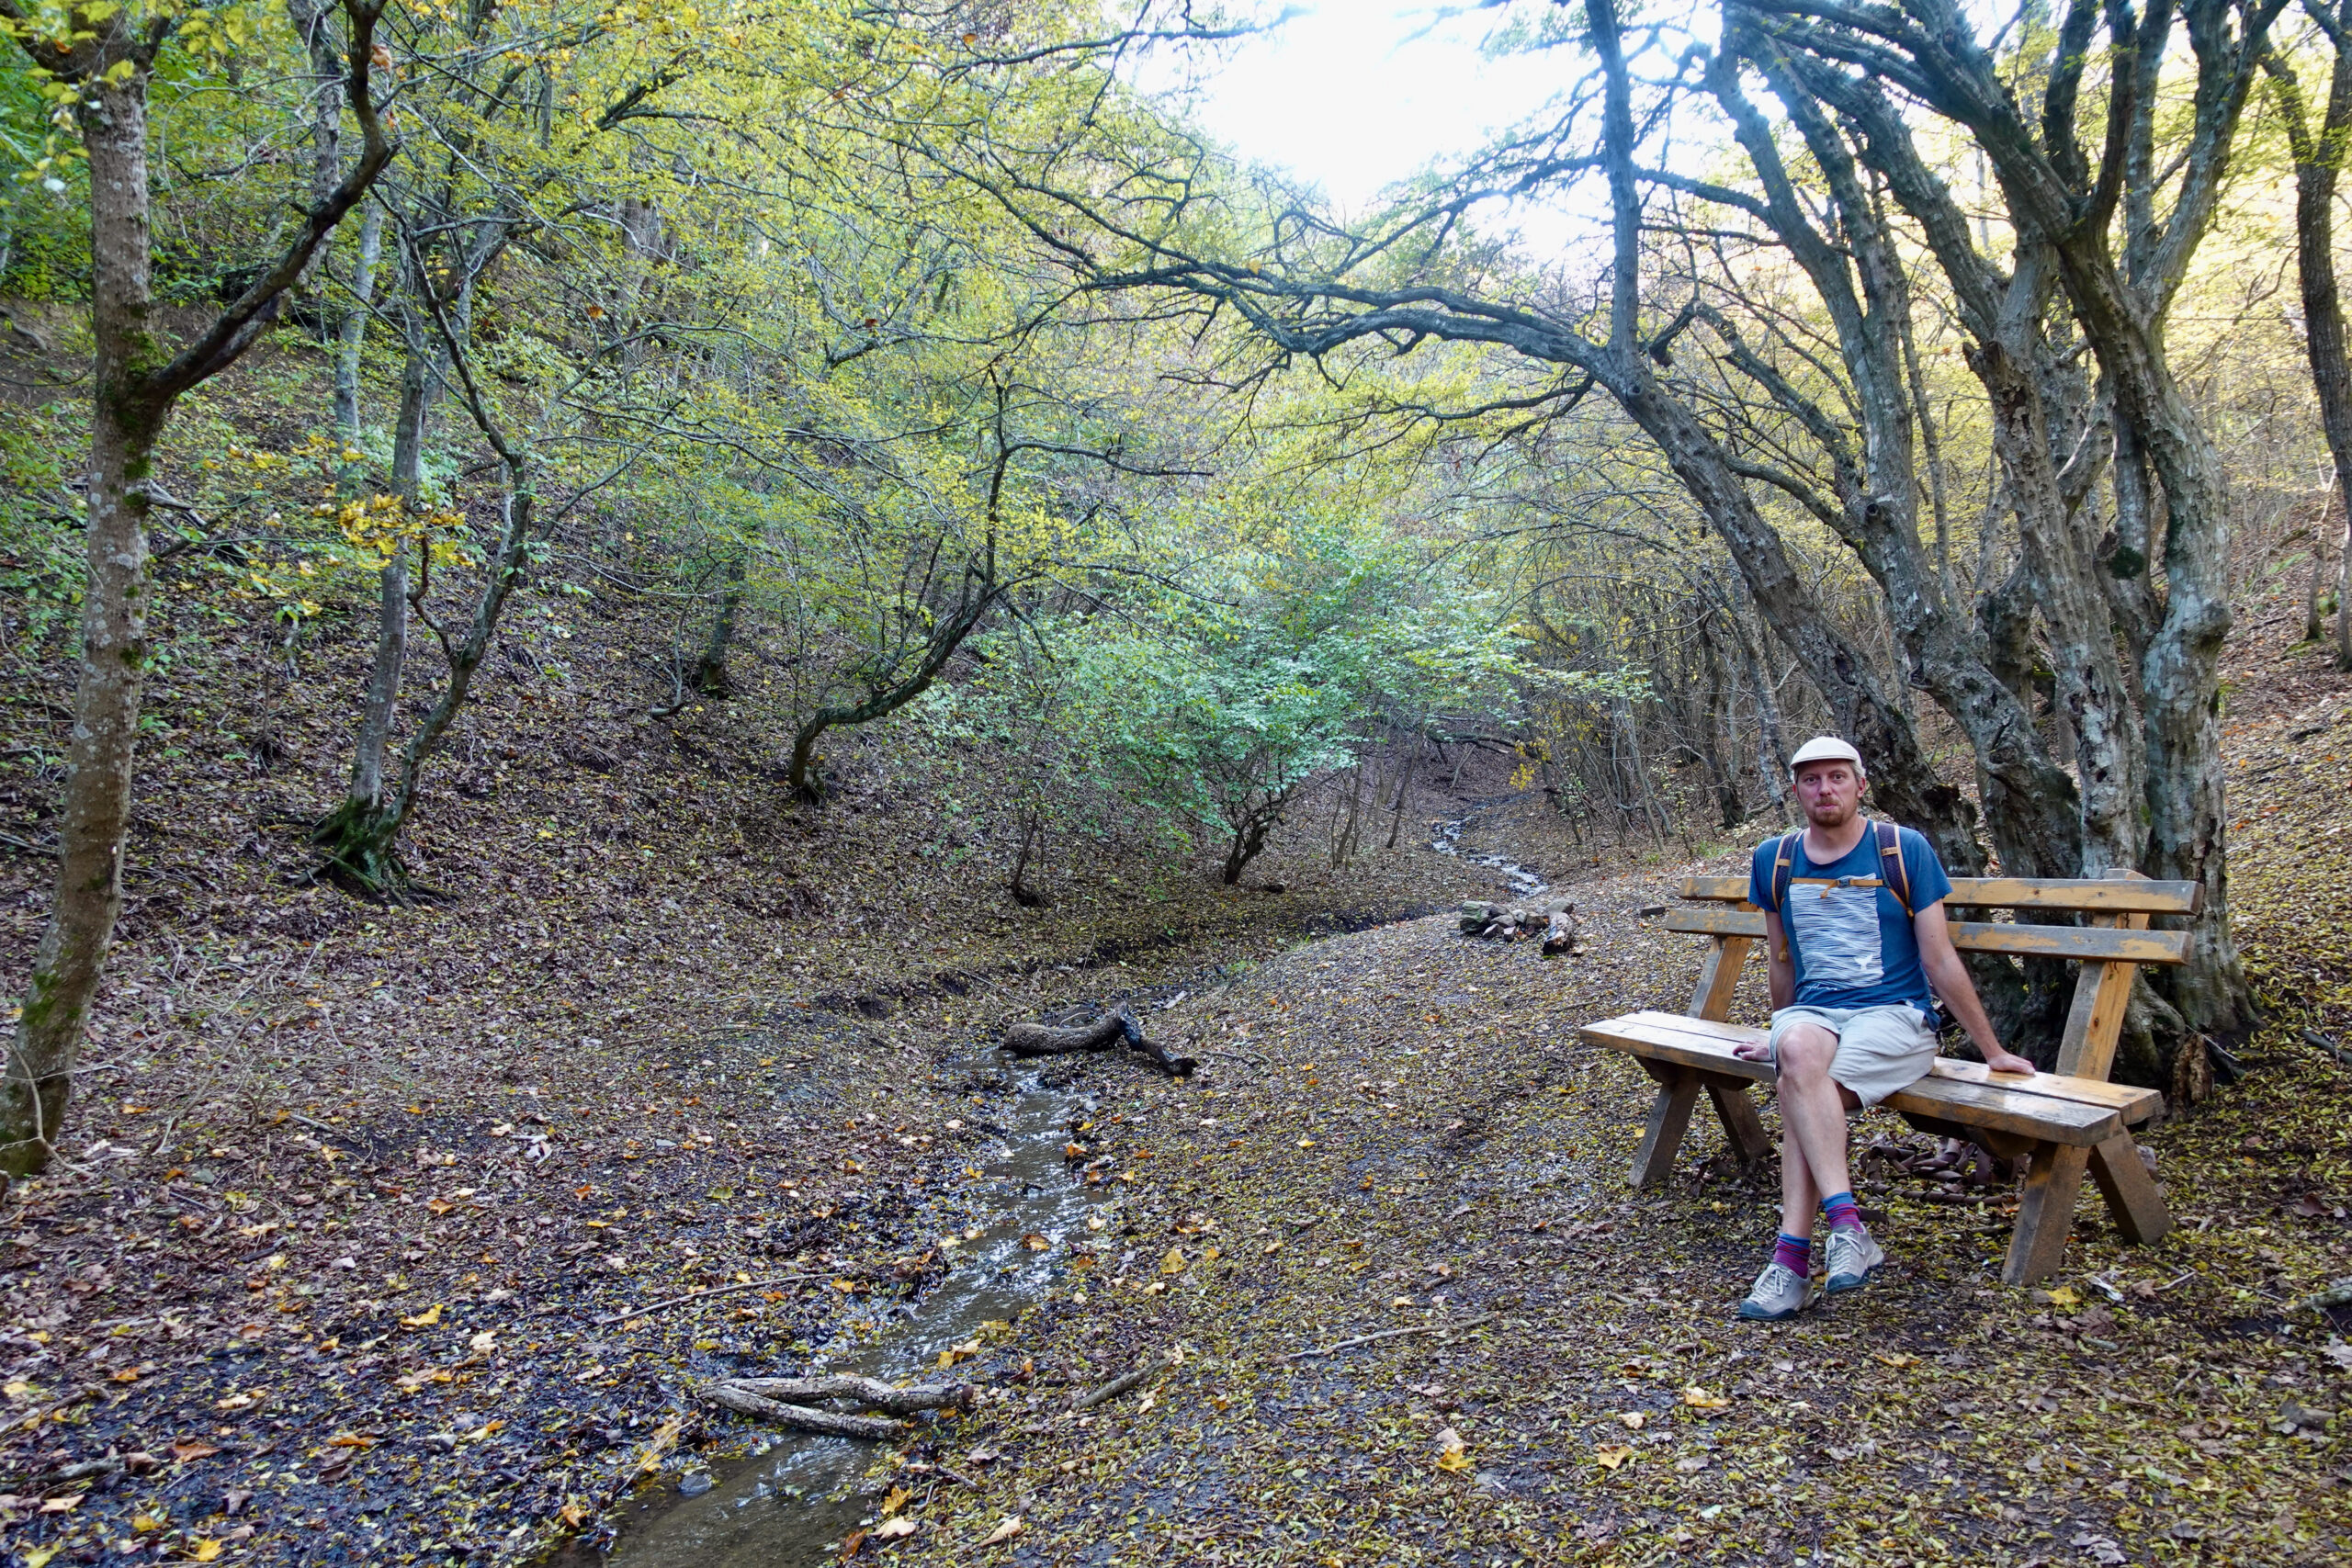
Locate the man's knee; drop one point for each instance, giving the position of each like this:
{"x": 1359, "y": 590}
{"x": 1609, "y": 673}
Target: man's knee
{"x": 1805, "y": 1052}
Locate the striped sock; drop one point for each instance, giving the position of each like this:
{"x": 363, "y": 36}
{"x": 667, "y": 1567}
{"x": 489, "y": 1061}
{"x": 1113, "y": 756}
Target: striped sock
{"x": 1794, "y": 1253}
{"x": 1842, "y": 1212}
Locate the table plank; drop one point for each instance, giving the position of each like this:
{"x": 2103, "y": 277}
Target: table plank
{"x": 2088, "y": 895}
{"x": 2130, "y": 1102}
{"x": 2095, "y": 943}
{"x": 1993, "y": 1104}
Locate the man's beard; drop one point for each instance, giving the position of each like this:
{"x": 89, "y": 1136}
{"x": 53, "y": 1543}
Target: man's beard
{"x": 1832, "y": 813}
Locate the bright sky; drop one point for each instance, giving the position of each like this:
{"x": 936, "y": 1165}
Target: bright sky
{"x": 1354, "y": 94}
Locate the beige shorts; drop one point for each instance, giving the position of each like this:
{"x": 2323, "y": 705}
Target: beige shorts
{"x": 1880, "y": 1050}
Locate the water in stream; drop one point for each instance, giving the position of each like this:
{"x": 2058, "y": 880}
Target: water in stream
{"x": 1445, "y": 839}
{"x": 784, "y": 1508}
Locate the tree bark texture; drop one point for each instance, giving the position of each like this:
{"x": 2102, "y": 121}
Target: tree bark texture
{"x": 125, "y": 421}
{"x": 2064, "y": 208}
{"x": 135, "y": 383}
{"x": 351, "y": 339}
{"x": 2319, "y": 161}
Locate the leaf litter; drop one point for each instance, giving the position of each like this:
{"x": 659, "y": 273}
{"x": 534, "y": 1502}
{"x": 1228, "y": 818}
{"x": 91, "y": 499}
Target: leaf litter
{"x": 348, "y": 1208}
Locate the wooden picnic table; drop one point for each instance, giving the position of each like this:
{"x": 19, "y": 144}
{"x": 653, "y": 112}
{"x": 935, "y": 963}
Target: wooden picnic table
{"x": 2071, "y": 1122}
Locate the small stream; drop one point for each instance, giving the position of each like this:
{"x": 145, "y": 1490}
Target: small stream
{"x": 790, "y": 1502}
{"x": 789, "y": 1505}
{"x": 1446, "y": 840}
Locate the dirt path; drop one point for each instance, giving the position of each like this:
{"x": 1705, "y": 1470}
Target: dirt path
{"x": 344, "y": 1306}
{"x": 1428, "y": 1146}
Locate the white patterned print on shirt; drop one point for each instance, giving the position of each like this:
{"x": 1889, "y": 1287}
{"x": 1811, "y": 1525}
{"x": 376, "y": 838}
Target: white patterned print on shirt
{"x": 1836, "y": 932}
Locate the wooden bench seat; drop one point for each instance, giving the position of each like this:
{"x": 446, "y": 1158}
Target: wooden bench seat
{"x": 2072, "y": 1123}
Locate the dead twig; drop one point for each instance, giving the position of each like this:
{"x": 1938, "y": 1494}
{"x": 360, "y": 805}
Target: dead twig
{"x": 714, "y": 1291}
{"x": 865, "y": 1391}
{"x": 1111, "y": 1390}
{"x": 832, "y": 1423}
{"x": 1390, "y": 1334}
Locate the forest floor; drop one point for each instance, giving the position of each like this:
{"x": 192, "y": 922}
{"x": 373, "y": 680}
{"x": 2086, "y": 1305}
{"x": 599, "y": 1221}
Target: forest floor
{"x": 1427, "y": 1148}
{"x": 354, "y": 1193}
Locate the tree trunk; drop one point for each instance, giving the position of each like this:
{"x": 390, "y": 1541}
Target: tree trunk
{"x": 980, "y": 591}
{"x": 2344, "y": 595}
{"x": 1901, "y": 777}
{"x": 1032, "y": 829}
{"x": 1248, "y": 843}
{"x": 711, "y": 669}
{"x": 357, "y": 840}
{"x": 1404, "y": 786}
{"x": 351, "y": 339}
{"x": 135, "y": 383}
{"x": 2092, "y": 697}
{"x": 2319, "y": 161}
{"x": 125, "y": 424}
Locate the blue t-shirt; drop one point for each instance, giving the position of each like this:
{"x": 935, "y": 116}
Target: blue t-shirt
{"x": 1850, "y": 942}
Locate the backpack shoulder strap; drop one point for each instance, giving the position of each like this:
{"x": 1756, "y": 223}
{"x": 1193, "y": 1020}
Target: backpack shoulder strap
{"x": 1892, "y": 869}
{"x": 1783, "y": 868}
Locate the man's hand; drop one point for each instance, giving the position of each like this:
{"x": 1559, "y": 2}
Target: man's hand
{"x": 1753, "y": 1051}
{"x": 2002, "y": 1061}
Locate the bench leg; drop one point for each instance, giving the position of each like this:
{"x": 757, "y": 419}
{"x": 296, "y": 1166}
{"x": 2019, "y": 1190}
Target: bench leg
{"x": 2131, "y": 1192}
{"x": 2045, "y": 1214}
{"x": 1669, "y": 1114}
{"x": 1743, "y": 1129}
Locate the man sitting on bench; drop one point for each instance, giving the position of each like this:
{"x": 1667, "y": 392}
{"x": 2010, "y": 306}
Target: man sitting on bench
{"x": 1854, "y": 930}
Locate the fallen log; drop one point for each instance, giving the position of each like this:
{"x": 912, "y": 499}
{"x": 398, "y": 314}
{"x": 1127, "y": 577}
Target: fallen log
{"x": 871, "y": 1391}
{"x": 1118, "y": 1029}
{"x": 2338, "y": 1294}
{"x": 832, "y": 1423}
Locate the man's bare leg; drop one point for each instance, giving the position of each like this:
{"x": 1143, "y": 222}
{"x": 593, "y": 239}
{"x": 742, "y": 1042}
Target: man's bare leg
{"x": 1813, "y": 1125}
{"x": 1814, "y": 1107}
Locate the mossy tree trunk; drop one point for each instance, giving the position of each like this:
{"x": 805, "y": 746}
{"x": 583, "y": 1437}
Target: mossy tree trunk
{"x": 109, "y": 59}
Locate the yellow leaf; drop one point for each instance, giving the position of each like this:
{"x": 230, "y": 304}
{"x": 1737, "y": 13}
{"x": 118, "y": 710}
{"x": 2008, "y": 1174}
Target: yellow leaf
{"x": 890, "y": 1530}
{"x": 1034, "y": 1242}
{"x": 2064, "y": 1296}
{"x": 1173, "y": 1263}
{"x": 1005, "y": 1531}
{"x": 1453, "y": 1458}
{"x": 1699, "y": 1399}
{"x": 204, "y": 1551}
{"x": 664, "y": 1439}
{"x": 426, "y": 1318}
{"x": 896, "y": 1500}
{"x": 1896, "y": 1359}
{"x": 38, "y": 1556}
{"x": 1611, "y": 1458}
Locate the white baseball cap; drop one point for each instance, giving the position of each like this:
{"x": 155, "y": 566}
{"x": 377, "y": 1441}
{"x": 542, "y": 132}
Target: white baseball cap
{"x": 1825, "y": 749}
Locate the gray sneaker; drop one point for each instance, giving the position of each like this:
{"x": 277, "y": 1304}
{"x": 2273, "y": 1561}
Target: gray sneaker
{"x": 1853, "y": 1259}
{"x": 1781, "y": 1292}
